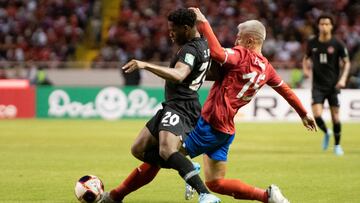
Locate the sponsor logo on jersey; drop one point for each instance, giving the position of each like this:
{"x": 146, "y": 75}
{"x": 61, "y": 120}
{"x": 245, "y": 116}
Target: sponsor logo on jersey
{"x": 189, "y": 58}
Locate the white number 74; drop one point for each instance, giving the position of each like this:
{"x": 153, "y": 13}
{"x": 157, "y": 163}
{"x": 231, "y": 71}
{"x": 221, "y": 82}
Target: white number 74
{"x": 252, "y": 77}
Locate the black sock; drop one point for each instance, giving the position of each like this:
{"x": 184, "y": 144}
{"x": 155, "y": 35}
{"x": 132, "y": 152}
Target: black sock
{"x": 152, "y": 157}
{"x": 337, "y": 132}
{"x": 321, "y": 124}
{"x": 186, "y": 170}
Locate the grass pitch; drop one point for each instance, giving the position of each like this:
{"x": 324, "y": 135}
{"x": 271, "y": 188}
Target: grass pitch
{"x": 40, "y": 161}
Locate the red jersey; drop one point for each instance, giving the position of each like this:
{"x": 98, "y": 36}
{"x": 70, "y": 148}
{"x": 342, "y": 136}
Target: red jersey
{"x": 245, "y": 72}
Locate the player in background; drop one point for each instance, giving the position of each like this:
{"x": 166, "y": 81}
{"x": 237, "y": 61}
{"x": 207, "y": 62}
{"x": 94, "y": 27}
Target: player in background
{"x": 163, "y": 133}
{"x": 330, "y": 69}
{"x": 244, "y": 71}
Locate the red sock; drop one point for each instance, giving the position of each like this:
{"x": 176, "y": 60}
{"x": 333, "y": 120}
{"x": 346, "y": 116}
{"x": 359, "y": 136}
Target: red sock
{"x": 139, "y": 177}
{"x": 237, "y": 189}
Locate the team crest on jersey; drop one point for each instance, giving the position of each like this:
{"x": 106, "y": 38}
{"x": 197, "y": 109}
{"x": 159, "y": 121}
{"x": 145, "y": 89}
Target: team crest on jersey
{"x": 330, "y": 49}
{"x": 189, "y": 58}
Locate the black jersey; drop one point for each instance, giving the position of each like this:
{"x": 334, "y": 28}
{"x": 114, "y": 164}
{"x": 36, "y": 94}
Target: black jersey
{"x": 196, "y": 54}
{"x": 325, "y": 58}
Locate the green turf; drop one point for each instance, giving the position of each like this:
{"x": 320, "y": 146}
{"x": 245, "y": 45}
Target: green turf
{"x": 40, "y": 160}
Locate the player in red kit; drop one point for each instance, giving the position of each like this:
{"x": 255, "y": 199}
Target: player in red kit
{"x": 244, "y": 70}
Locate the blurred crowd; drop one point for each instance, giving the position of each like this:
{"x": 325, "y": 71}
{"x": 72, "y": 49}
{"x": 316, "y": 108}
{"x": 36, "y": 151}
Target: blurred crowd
{"x": 41, "y": 30}
{"x": 140, "y": 31}
{"x": 49, "y": 30}
{"x": 141, "y": 28}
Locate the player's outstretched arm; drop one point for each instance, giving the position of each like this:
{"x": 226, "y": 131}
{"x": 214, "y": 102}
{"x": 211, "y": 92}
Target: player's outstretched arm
{"x": 177, "y": 74}
{"x": 216, "y": 51}
{"x": 133, "y": 65}
{"x": 285, "y": 91}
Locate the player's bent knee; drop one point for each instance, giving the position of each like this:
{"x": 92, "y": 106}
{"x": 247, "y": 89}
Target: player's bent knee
{"x": 137, "y": 152}
{"x": 165, "y": 152}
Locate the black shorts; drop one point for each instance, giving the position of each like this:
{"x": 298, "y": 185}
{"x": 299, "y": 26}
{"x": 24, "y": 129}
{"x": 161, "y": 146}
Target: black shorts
{"x": 179, "y": 118}
{"x": 319, "y": 96}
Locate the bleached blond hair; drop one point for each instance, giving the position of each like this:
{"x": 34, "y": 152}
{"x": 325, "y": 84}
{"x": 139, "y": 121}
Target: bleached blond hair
{"x": 254, "y": 28}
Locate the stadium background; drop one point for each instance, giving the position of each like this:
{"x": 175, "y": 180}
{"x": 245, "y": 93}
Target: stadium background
{"x": 84, "y": 43}
{"x": 61, "y": 59}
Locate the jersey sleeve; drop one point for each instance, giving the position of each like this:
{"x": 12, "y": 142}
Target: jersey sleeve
{"x": 188, "y": 55}
{"x": 274, "y": 79}
{"x": 233, "y": 56}
{"x": 217, "y": 52}
{"x": 343, "y": 52}
{"x": 285, "y": 91}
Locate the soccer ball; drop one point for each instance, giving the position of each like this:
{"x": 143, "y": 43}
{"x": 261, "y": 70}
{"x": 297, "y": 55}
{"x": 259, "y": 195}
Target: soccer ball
{"x": 88, "y": 189}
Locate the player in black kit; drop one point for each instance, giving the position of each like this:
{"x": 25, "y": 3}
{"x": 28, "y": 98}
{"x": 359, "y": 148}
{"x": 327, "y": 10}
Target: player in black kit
{"x": 159, "y": 141}
{"x": 330, "y": 68}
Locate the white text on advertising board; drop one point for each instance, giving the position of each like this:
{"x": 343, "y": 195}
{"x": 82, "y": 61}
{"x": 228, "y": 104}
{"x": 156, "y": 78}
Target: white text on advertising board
{"x": 111, "y": 103}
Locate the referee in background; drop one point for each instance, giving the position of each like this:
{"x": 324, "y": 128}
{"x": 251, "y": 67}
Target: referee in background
{"x": 330, "y": 69}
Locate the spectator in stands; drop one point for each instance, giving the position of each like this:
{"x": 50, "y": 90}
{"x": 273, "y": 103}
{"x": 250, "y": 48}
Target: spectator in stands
{"x": 290, "y": 23}
{"x": 51, "y": 29}
{"x": 41, "y": 30}
{"x": 37, "y": 75}
{"x": 296, "y": 77}
{"x": 354, "y": 77}
{"x": 3, "y": 74}
{"x": 354, "y": 80}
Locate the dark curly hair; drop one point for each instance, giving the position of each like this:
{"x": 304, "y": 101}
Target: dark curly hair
{"x": 326, "y": 16}
{"x": 183, "y": 16}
